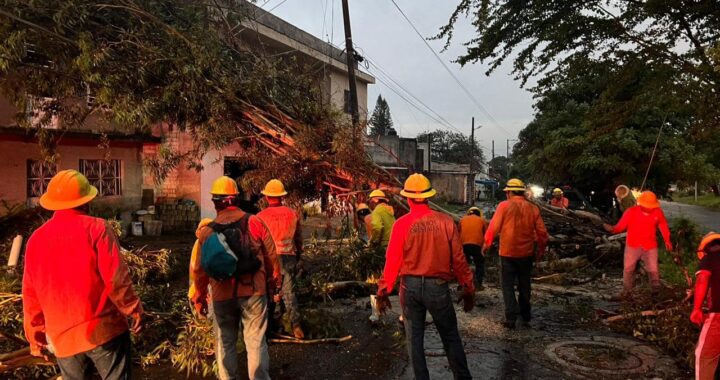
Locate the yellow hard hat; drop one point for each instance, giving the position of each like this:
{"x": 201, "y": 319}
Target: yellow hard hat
{"x": 515, "y": 184}
{"x": 377, "y": 194}
{"x": 224, "y": 186}
{"x": 557, "y": 190}
{"x": 622, "y": 191}
{"x": 274, "y": 188}
{"x": 707, "y": 239}
{"x": 362, "y": 206}
{"x": 648, "y": 199}
{"x": 418, "y": 186}
{"x": 67, "y": 189}
{"x": 473, "y": 209}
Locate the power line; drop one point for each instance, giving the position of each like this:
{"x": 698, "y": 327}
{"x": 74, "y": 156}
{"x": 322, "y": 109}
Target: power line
{"x": 459, "y": 83}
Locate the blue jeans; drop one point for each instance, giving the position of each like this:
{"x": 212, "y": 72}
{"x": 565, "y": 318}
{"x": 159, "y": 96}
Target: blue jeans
{"x": 419, "y": 295}
{"x": 111, "y": 360}
{"x": 250, "y": 313}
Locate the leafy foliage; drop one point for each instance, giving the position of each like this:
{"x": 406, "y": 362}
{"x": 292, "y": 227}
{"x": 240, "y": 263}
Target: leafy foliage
{"x": 448, "y": 146}
{"x": 381, "y": 121}
{"x": 611, "y": 73}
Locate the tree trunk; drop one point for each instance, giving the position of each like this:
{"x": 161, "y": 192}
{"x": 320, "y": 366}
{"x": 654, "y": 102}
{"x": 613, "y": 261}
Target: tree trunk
{"x": 715, "y": 190}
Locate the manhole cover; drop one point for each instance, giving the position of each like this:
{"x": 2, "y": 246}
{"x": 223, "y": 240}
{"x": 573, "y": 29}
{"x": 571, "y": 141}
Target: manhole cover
{"x": 603, "y": 355}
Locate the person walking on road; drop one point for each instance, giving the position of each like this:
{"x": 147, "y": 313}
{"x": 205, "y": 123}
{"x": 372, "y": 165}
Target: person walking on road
{"x": 523, "y": 238}
{"x": 641, "y": 223}
{"x": 239, "y": 299}
{"x": 707, "y": 352}
{"x": 77, "y": 292}
{"x": 284, "y": 225}
{"x": 382, "y": 219}
{"x": 425, "y": 251}
{"x": 472, "y": 234}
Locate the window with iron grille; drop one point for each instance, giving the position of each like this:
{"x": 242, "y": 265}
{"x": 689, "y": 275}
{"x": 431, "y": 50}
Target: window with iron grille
{"x": 39, "y": 174}
{"x": 103, "y": 174}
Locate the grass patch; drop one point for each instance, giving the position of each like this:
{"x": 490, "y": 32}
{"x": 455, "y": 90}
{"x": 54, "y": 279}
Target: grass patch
{"x": 708, "y": 200}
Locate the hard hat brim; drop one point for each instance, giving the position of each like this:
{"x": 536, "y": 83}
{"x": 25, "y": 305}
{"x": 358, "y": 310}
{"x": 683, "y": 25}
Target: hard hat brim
{"x": 709, "y": 238}
{"x": 271, "y": 194}
{"x": 514, "y": 188}
{"x": 646, "y": 204}
{"x": 48, "y": 203}
{"x": 424, "y": 195}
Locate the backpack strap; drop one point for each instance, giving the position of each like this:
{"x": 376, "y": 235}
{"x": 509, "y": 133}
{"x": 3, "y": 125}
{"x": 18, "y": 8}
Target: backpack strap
{"x": 241, "y": 225}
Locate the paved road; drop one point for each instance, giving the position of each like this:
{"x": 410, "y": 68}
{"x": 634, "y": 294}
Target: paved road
{"x": 704, "y": 217}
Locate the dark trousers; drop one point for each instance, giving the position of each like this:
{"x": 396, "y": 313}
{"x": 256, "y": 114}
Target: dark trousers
{"x": 289, "y": 270}
{"x": 419, "y": 295}
{"x": 473, "y": 254}
{"x": 111, "y": 360}
{"x": 516, "y": 271}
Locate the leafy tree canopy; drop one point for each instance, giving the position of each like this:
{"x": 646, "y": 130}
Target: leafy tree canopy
{"x": 454, "y": 147}
{"x": 610, "y": 74}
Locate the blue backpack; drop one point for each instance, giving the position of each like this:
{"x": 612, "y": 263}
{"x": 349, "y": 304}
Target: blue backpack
{"x": 226, "y": 253}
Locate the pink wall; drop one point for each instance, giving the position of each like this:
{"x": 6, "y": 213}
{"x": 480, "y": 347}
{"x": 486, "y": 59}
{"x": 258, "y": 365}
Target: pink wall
{"x": 13, "y": 170}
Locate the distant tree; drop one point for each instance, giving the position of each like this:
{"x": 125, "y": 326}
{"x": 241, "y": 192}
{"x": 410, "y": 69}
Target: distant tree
{"x": 381, "y": 121}
{"x": 454, "y": 147}
{"x": 498, "y": 169}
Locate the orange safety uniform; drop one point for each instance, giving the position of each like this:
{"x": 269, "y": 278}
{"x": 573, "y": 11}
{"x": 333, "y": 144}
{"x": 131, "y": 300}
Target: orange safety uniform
{"x": 562, "y": 202}
{"x": 641, "y": 225}
{"x": 77, "y": 291}
{"x": 267, "y": 278}
{"x": 284, "y": 225}
{"x": 519, "y": 223}
{"x": 472, "y": 229}
{"x": 419, "y": 247}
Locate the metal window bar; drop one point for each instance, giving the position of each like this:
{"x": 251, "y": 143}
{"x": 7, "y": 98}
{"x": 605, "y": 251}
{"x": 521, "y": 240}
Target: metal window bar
{"x": 39, "y": 174}
{"x": 105, "y": 175}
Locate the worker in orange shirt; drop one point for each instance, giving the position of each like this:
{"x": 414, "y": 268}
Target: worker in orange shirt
{"x": 363, "y": 214}
{"x": 641, "y": 223}
{"x": 426, "y": 252}
{"x": 77, "y": 292}
{"x": 240, "y": 302}
{"x": 707, "y": 277}
{"x": 521, "y": 228}
{"x": 472, "y": 234}
{"x": 558, "y": 199}
{"x": 284, "y": 225}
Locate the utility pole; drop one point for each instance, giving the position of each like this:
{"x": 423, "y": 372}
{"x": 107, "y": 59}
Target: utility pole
{"x": 429, "y": 152}
{"x": 350, "y": 53}
{"x": 472, "y": 144}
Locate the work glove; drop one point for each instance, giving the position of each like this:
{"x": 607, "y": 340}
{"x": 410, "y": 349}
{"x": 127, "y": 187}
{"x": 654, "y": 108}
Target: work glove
{"x": 697, "y": 317}
{"x": 668, "y": 246}
{"x": 382, "y": 301}
{"x": 608, "y": 227}
{"x": 468, "y": 299}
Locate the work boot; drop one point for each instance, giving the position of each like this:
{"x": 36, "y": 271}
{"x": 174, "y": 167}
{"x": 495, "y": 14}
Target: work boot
{"x": 298, "y": 332}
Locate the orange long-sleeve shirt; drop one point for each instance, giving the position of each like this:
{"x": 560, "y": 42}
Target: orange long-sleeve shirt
{"x": 284, "y": 225}
{"x": 562, "y": 202}
{"x": 258, "y": 283}
{"x": 472, "y": 229}
{"x": 76, "y": 288}
{"x": 425, "y": 243}
{"x": 641, "y": 225}
{"x": 519, "y": 224}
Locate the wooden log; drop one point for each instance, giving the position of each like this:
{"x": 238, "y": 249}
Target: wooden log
{"x": 312, "y": 341}
{"x": 645, "y": 313}
{"x": 564, "y": 265}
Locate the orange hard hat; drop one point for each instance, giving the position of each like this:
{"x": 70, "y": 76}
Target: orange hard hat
{"x": 68, "y": 189}
{"x": 274, "y": 188}
{"x": 707, "y": 239}
{"x": 362, "y": 206}
{"x": 648, "y": 199}
{"x": 224, "y": 186}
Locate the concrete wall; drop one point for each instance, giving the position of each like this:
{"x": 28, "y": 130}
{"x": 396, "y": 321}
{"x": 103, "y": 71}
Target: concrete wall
{"x": 338, "y": 83}
{"x": 14, "y": 156}
{"x": 451, "y": 186}
{"x": 387, "y": 150}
